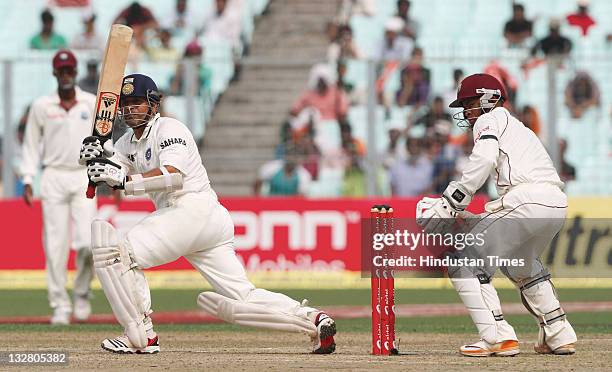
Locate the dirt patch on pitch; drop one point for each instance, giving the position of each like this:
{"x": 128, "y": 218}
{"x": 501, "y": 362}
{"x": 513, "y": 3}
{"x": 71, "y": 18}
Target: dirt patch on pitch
{"x": 256, "y": 351}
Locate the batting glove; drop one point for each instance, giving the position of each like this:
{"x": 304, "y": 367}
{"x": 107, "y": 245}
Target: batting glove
{"x": 92, "y": 148}
{"x": 104, "y": 170}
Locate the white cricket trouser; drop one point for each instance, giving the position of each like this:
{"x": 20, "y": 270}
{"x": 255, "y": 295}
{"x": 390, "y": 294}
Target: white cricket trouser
{"x": 521, "y": 225}
{"x": 66, "y": 210}
{"x": 199, "y": 228}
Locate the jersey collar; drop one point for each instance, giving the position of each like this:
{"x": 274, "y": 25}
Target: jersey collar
{"x": 147, "y": 130}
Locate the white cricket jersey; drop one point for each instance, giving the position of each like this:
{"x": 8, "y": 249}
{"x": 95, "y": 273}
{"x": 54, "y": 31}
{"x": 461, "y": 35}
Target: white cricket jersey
{"x": 165, "y": 141}
{"x": 53, "y": 135}
{"x": 510, "y": 152}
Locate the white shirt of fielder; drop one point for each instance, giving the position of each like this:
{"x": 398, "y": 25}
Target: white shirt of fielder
{"x": 508, "y": 151}
{"x": 164, "y": 141}
{"x": 53, "y": 135}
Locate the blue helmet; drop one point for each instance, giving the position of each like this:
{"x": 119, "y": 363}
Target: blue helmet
{"x": 139, "y": 85}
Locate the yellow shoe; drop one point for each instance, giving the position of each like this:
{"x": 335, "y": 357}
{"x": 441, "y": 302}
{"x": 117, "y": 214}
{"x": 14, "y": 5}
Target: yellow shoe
{"x": 561, "y": 350}
{"x": 485, "y": 349}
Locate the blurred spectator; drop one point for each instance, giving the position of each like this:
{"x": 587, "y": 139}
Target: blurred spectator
{"x": 411, "y": 26}
{"x": 89, "y": 82}
{"x": 436, "y": 113}
{"x": 19, "y": 185}
{"x": 568, "y": 171}
{"x": 530, "y": 117}
{"x": 164, "y": 52}
{"x": 394, "y": 46}
{"x": 396, "y": 149}
{"x": 180, "y": 18}
{"x": 554, "y": 43}
{"x": 351, "y": 144}
{"x": 344, "y": 85}
{"x": 283, "y": 177}
{"x": 354, "y": 180}
{"x": 323, "y": 94}
{"x": 312, "y": 155}
{"x": 518, "y": 28}
{"x": 286, "y": 139}
{"x": 177, "y": 83}
{"x": 444, "y": 156}
{"x": 343, "y": 46}
{"x": 451, "y": 93}
{"x": 581, "y": 93}
{"x": 140, "y": 19}
{"x": 332, "y": 30}
{"x": 47, "y": 38}
{"x": 349, "y": 8}
{"x": 224, "y": 23}
{"x": 412, "y": 177}
{"x": 89, "y": 39}
{"x": 415, "y": 82}
{"x": 501, "y": 73}
{"x": 581, "y": 18}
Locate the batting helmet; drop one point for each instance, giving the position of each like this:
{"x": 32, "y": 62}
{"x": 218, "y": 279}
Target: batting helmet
{"x": 477, "y": 85}
{"x": 139, "y": 85}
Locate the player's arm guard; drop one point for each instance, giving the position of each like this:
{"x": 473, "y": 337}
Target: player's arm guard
{"x": 167, "y": 182}
{"x": 457, "y": 195}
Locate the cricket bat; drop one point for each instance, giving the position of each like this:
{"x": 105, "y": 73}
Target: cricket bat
{"x": 109, "y": 88}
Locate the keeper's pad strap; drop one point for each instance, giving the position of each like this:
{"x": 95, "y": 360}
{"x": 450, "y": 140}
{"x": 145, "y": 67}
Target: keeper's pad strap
{"x": 551, "y": 317}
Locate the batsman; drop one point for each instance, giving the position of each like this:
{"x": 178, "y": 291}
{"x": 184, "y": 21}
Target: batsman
{"x": 519, "y": 225}
{"x": 159, "y": 157}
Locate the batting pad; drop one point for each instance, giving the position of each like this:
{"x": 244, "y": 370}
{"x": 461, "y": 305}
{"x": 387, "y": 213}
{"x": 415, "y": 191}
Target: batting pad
{"x": 253, "y": 315}
{"x": 114, "y": 269}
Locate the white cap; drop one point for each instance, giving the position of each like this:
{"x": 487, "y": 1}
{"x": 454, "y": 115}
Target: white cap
{"x": 394, "y": 24}
{"x": 321, "y": 71}
{"x": 583, "y": 2}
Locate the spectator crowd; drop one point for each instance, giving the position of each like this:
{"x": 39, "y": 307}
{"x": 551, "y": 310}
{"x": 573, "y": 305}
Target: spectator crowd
{"x": 424, "y": 152}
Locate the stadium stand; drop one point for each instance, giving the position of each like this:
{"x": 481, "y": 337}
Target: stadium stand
{"x": 289, "y": 39}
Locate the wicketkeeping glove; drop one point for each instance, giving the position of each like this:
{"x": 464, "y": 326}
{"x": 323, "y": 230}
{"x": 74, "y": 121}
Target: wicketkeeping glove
{"x": 435, "y": 215}
{"x": 104, "y": 170}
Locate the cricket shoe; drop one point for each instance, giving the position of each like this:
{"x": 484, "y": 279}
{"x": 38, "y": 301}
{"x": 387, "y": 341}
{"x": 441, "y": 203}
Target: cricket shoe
{"x": 122, "y": 345}
{"x": 326, "y": 330}
{"x": 561, "y": 350}
{"x": 82, "y": 308}
{"x": 61, "y": 316}
{"x": 485, "y": 349}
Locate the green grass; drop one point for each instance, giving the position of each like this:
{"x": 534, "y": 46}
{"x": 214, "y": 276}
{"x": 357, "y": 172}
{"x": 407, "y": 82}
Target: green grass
{"x": 34, "y": 302}
{"x": 582, "y": 322}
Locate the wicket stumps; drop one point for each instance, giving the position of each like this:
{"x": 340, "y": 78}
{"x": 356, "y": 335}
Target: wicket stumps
{"x": 383, "y": 288}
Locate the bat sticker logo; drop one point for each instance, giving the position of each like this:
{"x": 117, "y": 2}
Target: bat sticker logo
{"x": 105, "y": 113}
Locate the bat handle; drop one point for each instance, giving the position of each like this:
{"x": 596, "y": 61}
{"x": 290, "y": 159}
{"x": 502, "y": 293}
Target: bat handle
{"x": 91, "y": 190}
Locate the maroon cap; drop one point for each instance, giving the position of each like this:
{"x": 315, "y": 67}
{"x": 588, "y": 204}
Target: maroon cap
{"x": 193, "y": 49}
{"x": 470, "y": 87}
{"x": 64, "y": 58}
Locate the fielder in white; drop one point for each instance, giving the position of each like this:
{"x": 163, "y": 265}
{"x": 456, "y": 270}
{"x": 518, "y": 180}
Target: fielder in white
{"x": 520, "y": 224}
{"x": 55, "y": 129}
{"x": 159, "y": 157}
